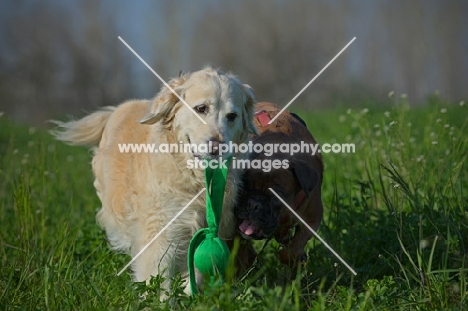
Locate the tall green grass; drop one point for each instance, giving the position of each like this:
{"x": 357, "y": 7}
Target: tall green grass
{"x": 396, "y": 211}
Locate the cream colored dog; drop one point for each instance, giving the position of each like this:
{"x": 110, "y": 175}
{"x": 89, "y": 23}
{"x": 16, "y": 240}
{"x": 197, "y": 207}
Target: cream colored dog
{"x": 142, "y": 192}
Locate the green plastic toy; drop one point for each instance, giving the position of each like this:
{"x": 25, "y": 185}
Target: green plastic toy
{"x": 206, "y": 250}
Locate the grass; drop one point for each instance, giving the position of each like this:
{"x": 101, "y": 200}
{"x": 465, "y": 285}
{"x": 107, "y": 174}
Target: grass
{"x": 396, "y": 211}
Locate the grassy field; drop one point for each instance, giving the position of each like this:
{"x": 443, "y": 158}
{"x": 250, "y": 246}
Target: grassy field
{"x": 396, "y": 211}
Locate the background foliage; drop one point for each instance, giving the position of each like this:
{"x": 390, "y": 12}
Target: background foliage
{"x": 63, "y": 57}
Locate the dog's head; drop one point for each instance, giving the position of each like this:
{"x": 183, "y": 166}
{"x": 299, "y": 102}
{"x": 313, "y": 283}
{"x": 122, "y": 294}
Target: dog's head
{"x": 220, "y": 99}
{"x": 259, "y": 211}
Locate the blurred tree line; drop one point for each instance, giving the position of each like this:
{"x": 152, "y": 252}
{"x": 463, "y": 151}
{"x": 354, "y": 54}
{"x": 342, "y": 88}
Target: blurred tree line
{"x": 63, "y": 57}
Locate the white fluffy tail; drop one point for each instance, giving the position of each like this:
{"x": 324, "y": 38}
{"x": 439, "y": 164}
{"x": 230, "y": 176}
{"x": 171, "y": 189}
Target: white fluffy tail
{"x": 86, "y": 131}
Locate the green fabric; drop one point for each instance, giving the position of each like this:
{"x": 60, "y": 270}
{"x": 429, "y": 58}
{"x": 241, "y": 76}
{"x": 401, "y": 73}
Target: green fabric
{"x": 207, "y": 252}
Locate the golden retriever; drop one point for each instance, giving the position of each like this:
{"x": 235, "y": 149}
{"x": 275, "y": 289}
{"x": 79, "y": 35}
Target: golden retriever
{"x": 142, "y": 192}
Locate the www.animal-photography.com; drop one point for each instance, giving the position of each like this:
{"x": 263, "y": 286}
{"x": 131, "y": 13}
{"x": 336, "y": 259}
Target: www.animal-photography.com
{"x": 233, "y": 155}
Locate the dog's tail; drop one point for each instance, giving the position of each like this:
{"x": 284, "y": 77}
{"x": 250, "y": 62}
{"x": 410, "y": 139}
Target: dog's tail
{"x": 86, "y": 132}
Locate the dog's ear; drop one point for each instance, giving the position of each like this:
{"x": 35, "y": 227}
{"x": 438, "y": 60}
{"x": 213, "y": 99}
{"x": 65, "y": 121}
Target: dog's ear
{"x": 165, "y": 101}
{"x": 306, "y": 176}
{"x": 248, "y": 121}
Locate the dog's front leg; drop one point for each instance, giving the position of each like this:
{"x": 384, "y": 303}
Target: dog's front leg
{"x": 293, "y": 252}
{"x": 156, "y": 259}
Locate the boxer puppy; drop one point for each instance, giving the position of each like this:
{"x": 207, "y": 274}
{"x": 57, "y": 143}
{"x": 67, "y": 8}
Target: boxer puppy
{"x": 259, "y": 212}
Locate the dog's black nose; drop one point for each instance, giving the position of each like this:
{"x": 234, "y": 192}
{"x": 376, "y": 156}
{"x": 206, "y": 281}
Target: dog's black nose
{"x": 213, "y": 145}
{"x": 254, "y": 205}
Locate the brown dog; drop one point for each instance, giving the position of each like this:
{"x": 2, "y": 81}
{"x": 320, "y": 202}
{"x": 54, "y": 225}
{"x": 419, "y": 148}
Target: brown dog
{"x": 259, "y": 212}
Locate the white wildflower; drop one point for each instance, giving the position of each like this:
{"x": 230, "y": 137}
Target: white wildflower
{"x": 423, "y": 244}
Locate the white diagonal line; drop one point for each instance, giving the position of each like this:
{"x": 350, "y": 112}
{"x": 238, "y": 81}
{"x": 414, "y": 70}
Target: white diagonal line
{"x": 160, "y": 232}
{"x": 162, "y": 80}
{"x": 313, "y": 231}
{"x": 313, "y": 79}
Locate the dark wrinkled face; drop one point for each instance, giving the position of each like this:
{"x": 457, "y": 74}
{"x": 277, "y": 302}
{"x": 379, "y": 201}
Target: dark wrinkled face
{"x": 258, "y": 210}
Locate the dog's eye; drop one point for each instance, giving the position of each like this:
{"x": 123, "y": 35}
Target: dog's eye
{"x": 231, "y": 116}
{"x": 201, "y": 108}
